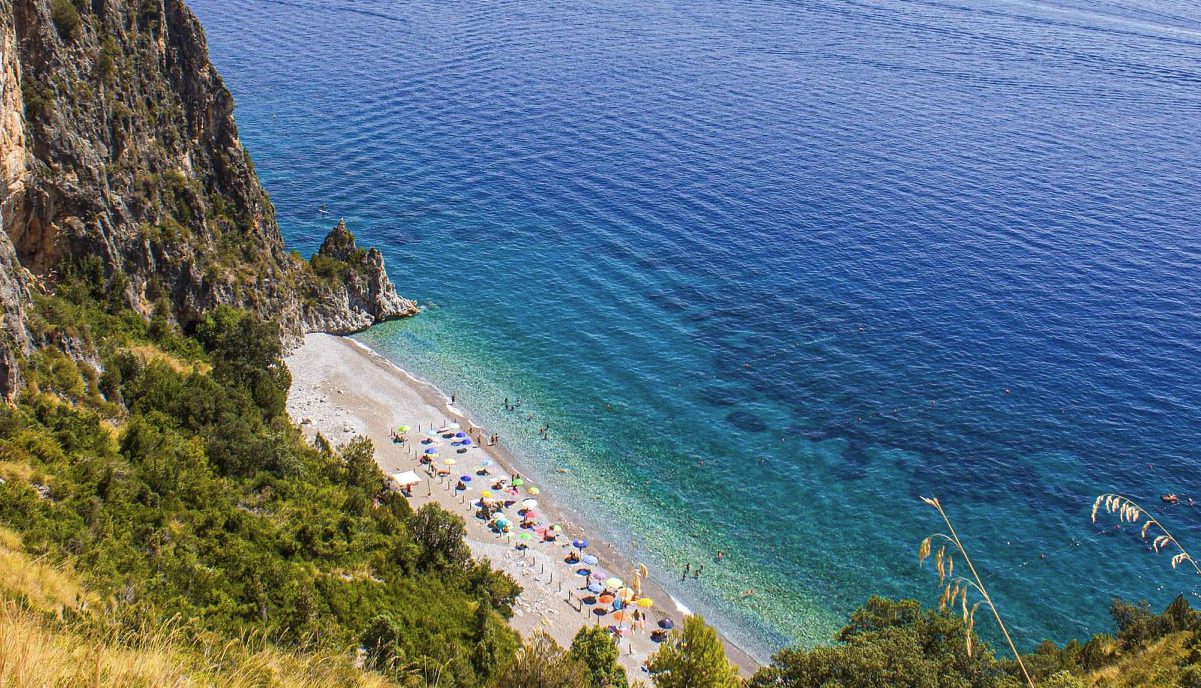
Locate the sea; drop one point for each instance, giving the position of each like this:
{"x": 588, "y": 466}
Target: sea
{"x": 769, "y": 271}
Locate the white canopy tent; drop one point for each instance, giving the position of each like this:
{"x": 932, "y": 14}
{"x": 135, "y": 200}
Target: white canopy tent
{"x": 406, "y": 478}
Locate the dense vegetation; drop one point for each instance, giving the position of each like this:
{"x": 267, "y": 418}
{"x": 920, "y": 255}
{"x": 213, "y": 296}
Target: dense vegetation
{"x": 158, "y": 509}
{"x": 175, "y": 484}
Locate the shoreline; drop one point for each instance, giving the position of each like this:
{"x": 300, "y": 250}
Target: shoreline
{"x": 331, "y": 394}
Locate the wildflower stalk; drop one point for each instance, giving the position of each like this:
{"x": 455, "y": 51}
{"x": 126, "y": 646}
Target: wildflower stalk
{"x": 1129, "y": 511}
{"x": 958, "y": 586}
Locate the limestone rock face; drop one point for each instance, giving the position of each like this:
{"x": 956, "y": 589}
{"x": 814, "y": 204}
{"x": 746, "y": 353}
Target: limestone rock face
{"x": 119, "y": 155}
{"x": 359, "y": 293}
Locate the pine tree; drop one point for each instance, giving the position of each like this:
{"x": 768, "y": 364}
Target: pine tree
{"x": 693, "y": 657}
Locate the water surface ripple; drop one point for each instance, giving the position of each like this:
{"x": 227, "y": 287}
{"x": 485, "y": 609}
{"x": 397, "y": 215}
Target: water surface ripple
{"x": 771, "y": 269}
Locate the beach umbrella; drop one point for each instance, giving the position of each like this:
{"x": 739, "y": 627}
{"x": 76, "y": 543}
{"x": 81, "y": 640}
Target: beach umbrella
{"x": 533, "y": 490}
{"x": 448, "y": 462}
{"x": 645, "y": 603}
{"x": 667, "y": 624}
{"x": 599, "y": 575}
{"x": 518, "y": 482}
{"x": 466, "y": 443}
{"x": 530, "y": 515}
{"x": 626, "y": 595}
{"x": 605, "y": 599}
{"x": 595, "y": 588}
{"x": 589, "y": 559}
{"x": 403, "y": 428}
{"x": 431, "y": 450}
{"x": 465, "y": 478}
{"x": 579, "y": 544}
{"x": 526, "y": 536}
{"x": 485, "y": 493}
{"x": 486, "y": 462}
{"x": 613, "y": 584}
{"x": 530, "y": 503}
{"x": 619, "y": 616}
{"x": 583, "y": 572}
{"x": 460, "y": 434}
{"x": 453, "y": 426}
{"x": 431, "y": 432}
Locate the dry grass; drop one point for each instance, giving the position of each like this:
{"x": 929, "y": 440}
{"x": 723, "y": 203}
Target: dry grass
{"x": 38, "y": 651}
{"x": 38, "y": 654}
{"x": 45, "y": 588}
{"x": 1158, "y": 665}
{"x": 148, "y": 353}
{"x": 16, "y": 471}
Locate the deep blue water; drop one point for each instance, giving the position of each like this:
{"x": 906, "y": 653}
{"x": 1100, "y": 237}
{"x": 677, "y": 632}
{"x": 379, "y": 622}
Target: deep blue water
{"x": 842, "y": 252}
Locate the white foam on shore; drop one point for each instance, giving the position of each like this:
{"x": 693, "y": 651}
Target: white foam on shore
{"x": 680, "y": 607}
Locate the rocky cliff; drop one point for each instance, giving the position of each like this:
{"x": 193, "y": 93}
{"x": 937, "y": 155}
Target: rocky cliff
{"x": 120, "y": 157}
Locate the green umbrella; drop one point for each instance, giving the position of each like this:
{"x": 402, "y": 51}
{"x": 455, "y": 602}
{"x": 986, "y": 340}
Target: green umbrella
{"x": 518, "y": 482}
{"x": 403, "y": 428}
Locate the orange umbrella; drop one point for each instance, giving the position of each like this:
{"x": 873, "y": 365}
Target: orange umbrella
{"x": 605, "y": 599}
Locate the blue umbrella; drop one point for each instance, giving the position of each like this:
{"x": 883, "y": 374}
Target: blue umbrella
{"x": 579, "y": 544}
{"x": 431, "y": 450}
{"x": 595, "y": 588}
{"x": 667, "y": 624}
{"x": 465, "y": 443}
{"x": 465, "y": 478}
{"x": 460, "y": 434}
{"x": 589, "y": 560}
{"x": 583, "y": 572}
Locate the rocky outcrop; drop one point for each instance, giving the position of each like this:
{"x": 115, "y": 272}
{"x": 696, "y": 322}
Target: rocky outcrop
{"x": 120, "y": 157}
{"x": 351, "y": 291}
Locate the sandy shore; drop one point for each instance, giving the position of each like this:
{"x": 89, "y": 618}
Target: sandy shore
{"x": 342, "y": 389}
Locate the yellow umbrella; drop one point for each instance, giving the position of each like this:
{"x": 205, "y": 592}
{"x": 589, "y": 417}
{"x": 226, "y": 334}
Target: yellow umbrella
{"x": 626, "y": 594}
{"x": 449, "y": 462}
{"x": 645, "y": 603}
{"x": 486, "y": 493}
{"x": 533, "y": 490}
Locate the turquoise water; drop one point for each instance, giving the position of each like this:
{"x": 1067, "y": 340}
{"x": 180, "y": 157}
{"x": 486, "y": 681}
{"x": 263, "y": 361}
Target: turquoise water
{"x": 771, "y": 270}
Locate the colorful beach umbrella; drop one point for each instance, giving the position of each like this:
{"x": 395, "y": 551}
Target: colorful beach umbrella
{"x": 613, "y": 584}
{"x": 403, "y": 428}
{"x": 645, "y": 602}
{"x": 530, "y": 503}
{"x": 533, "y": 490}
{"x": 466, "y": 443}
{"x": 589, "y": 559}
{"x": 465, "y": 478}
{"x": 518, "y": 482}
{"x": 431, "y": 450}
{"x": 449, "y": 462}
{"x": 595, "y": 588}
{"x": 579, "y": 544}
{"x": 485, "y": 493}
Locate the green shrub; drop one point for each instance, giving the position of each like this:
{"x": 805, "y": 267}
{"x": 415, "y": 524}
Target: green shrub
{"x": 66, "y": 18}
